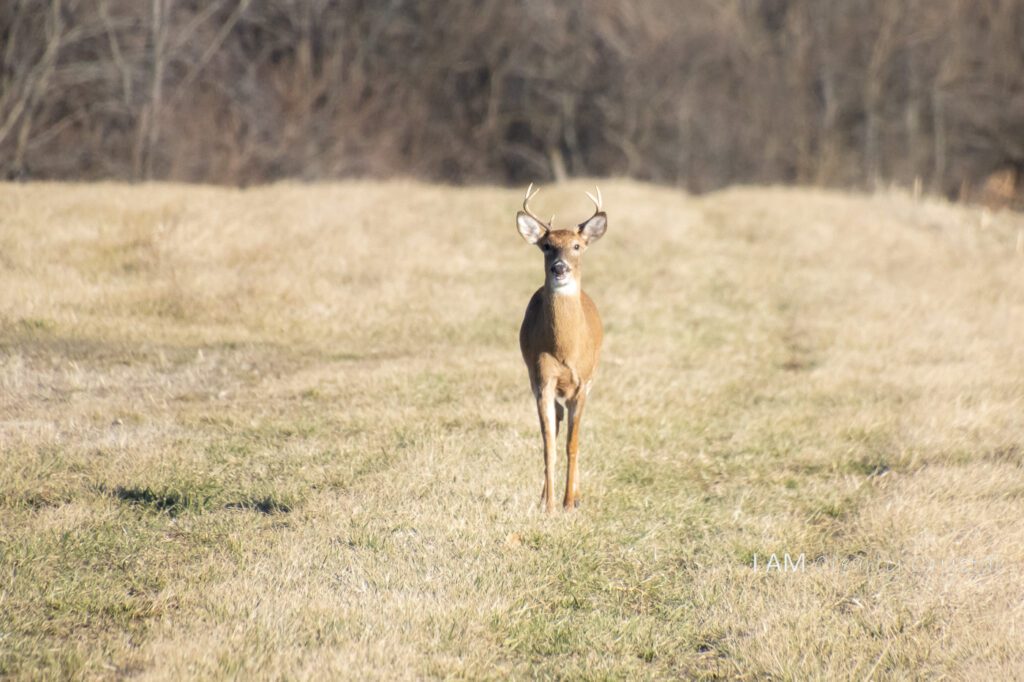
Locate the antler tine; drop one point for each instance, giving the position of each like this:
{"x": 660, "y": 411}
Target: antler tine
{"x": 597, "y": 202}
{"x": 531, "y": 193}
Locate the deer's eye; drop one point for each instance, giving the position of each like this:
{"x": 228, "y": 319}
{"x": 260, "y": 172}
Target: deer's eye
{"x": 545, "y": 247}
{"x": 576, "y": 247}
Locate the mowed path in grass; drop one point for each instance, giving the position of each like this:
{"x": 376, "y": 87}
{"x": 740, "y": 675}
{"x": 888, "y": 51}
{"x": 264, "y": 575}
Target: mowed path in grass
{"x": 286, "y": 432}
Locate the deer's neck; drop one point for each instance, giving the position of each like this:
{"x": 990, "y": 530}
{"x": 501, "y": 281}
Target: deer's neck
{"x": 565, "y": 317}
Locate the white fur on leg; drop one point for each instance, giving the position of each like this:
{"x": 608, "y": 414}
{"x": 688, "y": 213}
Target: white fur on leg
{"x": 549, "y": 412}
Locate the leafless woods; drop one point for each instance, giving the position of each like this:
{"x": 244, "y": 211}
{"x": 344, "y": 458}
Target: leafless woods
{"x": 697, "y": 94}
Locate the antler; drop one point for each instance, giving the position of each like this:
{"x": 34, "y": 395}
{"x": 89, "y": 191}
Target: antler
{"x": 597, "y": 201}
{"x": 531, "y": 193}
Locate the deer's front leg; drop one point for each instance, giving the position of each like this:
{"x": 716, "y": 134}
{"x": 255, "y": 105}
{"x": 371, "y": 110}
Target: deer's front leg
{"x": 572, "y": 450}
{"x": 548, "y": 431}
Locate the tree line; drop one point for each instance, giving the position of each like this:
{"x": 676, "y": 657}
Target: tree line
{"x": 697, "y": 93}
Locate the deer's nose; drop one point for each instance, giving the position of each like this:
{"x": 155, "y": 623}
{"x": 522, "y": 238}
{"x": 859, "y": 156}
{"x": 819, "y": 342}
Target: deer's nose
{"x": 559, "y": 268}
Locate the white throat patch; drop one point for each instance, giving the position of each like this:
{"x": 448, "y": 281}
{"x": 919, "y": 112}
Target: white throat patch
{"x": 569, "y": 288}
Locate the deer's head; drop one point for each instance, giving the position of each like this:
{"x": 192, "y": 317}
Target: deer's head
{"x": 563, "y": 249}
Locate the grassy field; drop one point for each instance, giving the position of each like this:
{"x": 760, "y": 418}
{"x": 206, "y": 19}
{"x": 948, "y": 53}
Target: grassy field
{"x": 285, "y": 432}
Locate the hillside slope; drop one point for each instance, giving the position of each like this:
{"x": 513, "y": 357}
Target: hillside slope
{"x": 287, "y": 431}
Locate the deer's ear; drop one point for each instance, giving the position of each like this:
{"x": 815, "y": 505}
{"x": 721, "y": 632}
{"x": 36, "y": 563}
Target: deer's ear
{"x": 531, "y": 229}
{"x": 593, "y": 229}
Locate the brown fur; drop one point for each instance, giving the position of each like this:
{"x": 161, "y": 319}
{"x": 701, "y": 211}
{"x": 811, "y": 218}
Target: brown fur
{"x": 561, "y": 342}
{"x": 561, "y": 337}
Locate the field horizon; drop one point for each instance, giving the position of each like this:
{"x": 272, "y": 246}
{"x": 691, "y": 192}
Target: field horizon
{"x": 285, "y": 432}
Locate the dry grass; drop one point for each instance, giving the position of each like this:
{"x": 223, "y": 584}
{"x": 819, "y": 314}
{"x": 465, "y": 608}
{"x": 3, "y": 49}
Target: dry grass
{"x": 286, "y": 432}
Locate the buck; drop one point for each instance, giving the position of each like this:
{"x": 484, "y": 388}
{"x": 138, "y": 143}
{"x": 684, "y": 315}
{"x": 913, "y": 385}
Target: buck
{"x": 561, "y": 338}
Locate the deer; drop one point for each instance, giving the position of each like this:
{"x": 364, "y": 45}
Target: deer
{"x": 560, "y": 338}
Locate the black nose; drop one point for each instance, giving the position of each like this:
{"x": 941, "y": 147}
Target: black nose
{"x": 559, "y": 268}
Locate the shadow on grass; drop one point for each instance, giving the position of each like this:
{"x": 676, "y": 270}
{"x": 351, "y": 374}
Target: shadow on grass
{"x": 171, "y": 502}
{"x": 264, "y": 505}
{"x": 177, "y": 502}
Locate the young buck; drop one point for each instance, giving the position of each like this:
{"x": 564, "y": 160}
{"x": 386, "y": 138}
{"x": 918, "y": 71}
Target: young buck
{"x": 561, "y": 338}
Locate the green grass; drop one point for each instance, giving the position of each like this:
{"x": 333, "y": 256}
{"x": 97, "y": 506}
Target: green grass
{"x": 286, "y": 433}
